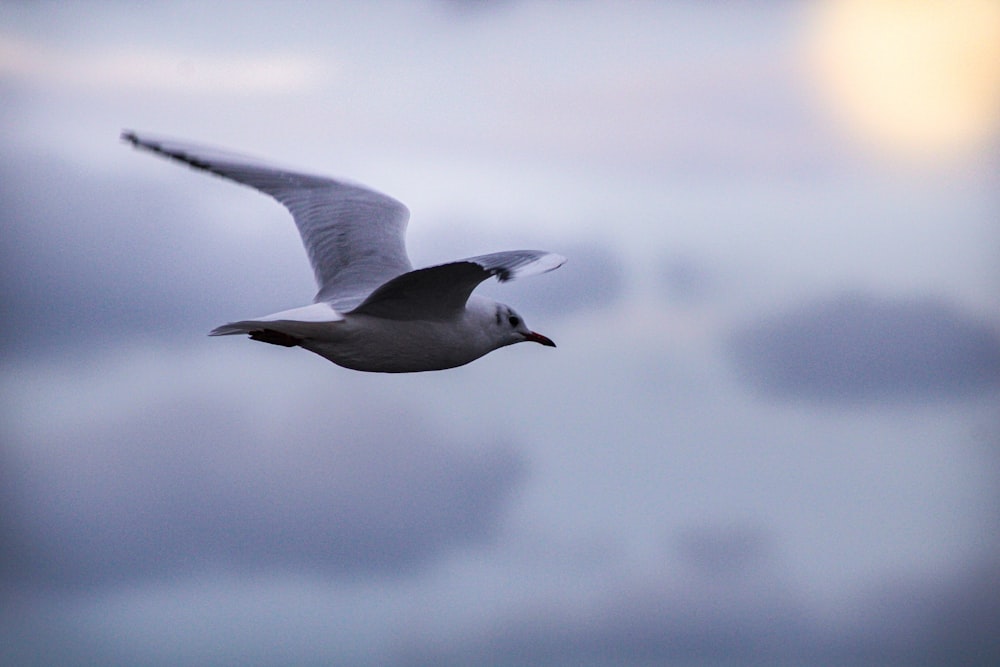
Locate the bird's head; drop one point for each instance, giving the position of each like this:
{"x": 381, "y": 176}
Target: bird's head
{"x": 510, "y": 328}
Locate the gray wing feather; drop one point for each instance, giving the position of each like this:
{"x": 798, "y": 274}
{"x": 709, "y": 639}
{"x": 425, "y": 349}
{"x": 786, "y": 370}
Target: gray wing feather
{"x": 440, "y": 292}
{"x": 512, "y": 264}
{"x": 354, "y": 236}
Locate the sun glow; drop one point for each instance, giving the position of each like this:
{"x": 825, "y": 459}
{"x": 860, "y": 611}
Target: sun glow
{"x": 919, "y": 78}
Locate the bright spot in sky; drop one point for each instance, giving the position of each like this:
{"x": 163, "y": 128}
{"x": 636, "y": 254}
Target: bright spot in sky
{"x": 920, "y": 78}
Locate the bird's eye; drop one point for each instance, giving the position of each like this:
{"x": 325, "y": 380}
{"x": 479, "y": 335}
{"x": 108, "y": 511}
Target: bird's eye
{"x": 514, "y": 321}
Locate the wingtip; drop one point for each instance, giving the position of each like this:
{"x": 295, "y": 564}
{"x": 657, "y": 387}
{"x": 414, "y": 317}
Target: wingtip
{"x": 130, "y": 137}
{"x": 550, "y": 261}
{"x": 514, "y": 264}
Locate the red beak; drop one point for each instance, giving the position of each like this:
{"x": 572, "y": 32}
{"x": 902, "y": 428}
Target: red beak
{"x": 539, "y": 338}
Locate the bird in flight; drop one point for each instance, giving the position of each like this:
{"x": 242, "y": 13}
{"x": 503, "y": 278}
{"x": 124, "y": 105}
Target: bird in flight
{"x": 373, "y": 311}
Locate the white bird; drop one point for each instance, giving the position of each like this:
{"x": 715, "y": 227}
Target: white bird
{"x": 372, "y": 312}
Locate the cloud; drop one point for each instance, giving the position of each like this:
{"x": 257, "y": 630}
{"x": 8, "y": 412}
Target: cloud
{"x": 687, "y": 280}
{"x": 734, "y": 610}
{"x": 189, "y": 480}
{"x": 864, "y": 347}
{"x": 92, "y": 257}
{"x": 744, "y": 613}
{"x": 144, "y": 70}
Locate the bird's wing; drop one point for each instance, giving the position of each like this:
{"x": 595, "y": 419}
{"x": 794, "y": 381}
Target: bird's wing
{"x": 440, "y": 292}
{"x": 354, "y": 236}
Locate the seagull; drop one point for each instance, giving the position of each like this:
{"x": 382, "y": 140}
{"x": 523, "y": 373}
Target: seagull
{"x": 373, "y": 312}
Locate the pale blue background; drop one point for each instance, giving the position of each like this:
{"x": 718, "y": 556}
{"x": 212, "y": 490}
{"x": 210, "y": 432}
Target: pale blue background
{"x": 769, "y": 434}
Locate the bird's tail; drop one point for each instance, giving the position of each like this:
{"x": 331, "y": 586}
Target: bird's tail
{"x": 266, "y": 332}
{"x": 235, "y": 328}
{"x": 287, "y": 328}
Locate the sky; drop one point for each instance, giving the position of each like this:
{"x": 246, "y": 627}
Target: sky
{"x": 769, "y": 434}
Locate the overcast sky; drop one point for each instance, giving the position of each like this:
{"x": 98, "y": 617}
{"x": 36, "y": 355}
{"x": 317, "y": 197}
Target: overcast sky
{"x": 770, "y": 432}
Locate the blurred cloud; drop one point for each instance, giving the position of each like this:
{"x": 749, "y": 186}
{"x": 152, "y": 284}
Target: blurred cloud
{"x": 199, "y": 481}
{"x": 110, "y": 259}
{"x": 865, "y": 347}
{"x": 144, "y": 70}
{"x": 720, "y": 551}
{"x": 687, "y": 280}
{"x": 746, "y": 617}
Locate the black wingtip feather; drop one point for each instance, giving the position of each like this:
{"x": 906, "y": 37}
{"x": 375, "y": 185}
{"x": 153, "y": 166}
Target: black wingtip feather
{"x": 503, "y": 275}
{"x": 156, "y": 147}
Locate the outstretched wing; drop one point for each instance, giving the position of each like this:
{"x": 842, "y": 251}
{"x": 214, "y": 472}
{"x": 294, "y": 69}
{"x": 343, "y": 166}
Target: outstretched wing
{"x": 440, "y": 292}
{"x": 354, "y": 236}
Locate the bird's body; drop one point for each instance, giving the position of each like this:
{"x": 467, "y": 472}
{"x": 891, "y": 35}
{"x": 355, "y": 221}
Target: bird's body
{"x": 368, "y": 343}
{"x": 372, "y": 312}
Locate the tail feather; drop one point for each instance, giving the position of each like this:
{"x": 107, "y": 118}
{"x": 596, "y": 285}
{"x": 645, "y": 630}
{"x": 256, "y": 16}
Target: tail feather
{"x": 314, "y": 312}
{"x": 287, "y": 328}
{"x": 275, "y": 337}
{"x": 234, "y": 328}
{"x": 262, "y": 331}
